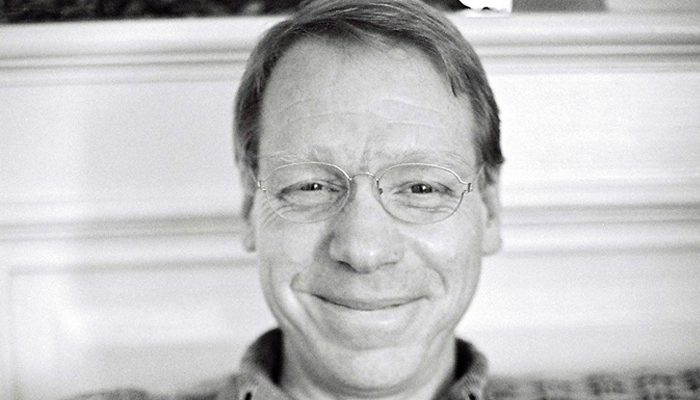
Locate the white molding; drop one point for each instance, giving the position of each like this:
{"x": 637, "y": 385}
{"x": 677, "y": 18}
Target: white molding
{"x": 652, "y": 5}
{"x": 134, "y": 244}
{"x": 156, "y": 241}
{"x": 216, "y": 49}
{"x": 7, "y": 362}
{"x": 562, "y": 213}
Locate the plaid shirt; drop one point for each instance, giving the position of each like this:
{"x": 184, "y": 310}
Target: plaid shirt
{"x": 261, "y": 367}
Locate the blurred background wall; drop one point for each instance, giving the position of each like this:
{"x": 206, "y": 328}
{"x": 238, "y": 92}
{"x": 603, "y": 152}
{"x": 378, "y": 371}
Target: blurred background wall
{"x": 120, "y": 261}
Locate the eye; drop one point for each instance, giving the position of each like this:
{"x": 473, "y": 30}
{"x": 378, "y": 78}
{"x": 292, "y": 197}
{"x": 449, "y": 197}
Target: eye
{"x": 310, "y": 193}
{"x": 419, "y": 195}
{"x": 421, "y": 188}
{"x": 311, "y": 186}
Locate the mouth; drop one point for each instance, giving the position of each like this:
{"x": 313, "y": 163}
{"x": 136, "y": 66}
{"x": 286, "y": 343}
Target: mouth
{"x": 365, "y": 320}
{"x": 366, "y": 304}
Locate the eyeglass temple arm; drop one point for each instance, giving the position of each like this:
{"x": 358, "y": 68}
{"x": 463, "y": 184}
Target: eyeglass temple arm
{"x": 470, "y": 185}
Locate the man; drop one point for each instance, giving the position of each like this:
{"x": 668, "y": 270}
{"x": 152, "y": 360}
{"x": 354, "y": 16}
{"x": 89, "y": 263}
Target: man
{"x": 368, "y": 142}
{"x": 369, "y": 139}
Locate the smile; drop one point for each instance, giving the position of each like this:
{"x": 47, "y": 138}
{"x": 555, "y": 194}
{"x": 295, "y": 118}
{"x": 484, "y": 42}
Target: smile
{"x": 367, "y": 305}
{"x": 365, "y": 321}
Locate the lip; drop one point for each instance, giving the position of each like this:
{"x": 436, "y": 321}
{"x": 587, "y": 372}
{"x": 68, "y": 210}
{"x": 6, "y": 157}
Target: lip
{"x": 364, "y": 321}
{"x": 366, "y": 304}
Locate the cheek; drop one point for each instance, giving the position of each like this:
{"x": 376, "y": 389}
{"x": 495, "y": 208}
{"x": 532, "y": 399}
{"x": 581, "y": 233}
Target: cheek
{"x": 461, "y": 266}
{"x": 284, "y": 248}
{"x": 287, "y": 243}
{"x": 460, "y": 276}
{"x": 452, "y": 249}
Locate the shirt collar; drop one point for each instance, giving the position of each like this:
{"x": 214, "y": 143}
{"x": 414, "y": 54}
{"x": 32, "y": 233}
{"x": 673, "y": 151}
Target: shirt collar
{"x": 471, "y": 373}
{"x": 261, "y": 368}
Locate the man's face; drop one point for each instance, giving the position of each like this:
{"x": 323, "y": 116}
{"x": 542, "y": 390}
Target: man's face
{"x": 363, "y": 298}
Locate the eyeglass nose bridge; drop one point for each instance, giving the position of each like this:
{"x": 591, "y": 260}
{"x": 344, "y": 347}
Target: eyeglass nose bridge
{"x": 376, "y": 192}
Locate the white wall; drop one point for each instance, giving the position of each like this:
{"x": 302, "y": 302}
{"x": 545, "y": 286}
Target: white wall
{"x": 652, "y": 5}
{"x": 120, "y": 261}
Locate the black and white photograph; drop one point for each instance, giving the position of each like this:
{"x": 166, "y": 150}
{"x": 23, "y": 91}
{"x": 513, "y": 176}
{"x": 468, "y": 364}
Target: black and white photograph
{"x": 349, "y": 200}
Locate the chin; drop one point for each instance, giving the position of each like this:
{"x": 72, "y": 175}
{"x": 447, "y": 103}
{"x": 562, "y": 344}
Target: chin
{"x": 376, "y": 371}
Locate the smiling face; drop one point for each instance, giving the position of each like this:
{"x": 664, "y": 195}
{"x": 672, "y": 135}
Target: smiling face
{"x": 368, "y": 303}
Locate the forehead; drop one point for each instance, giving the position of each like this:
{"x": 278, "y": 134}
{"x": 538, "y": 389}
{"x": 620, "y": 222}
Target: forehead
{"x": 362, "y": 104}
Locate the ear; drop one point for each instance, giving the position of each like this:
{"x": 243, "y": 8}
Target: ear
{"x": 491, "y": 242}
{"x": 248, "y": 186}
{"x": 248, "y": 236}
{"x": 248, "y": 228}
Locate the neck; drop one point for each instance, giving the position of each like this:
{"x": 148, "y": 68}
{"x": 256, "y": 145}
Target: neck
{"x": 311, "y": 379}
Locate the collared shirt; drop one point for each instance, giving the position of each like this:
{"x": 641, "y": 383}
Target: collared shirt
{"x": 261, "y": 369}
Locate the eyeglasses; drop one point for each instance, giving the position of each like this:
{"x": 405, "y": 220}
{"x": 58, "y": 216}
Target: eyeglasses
{"x": 314, "y": 191}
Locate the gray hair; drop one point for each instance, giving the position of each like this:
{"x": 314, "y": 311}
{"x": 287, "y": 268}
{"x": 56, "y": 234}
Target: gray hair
{"x": 408, "y": 22}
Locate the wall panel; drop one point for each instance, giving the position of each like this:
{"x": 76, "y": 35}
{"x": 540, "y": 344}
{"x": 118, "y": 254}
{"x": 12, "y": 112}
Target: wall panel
{"x": 161, "y": 328}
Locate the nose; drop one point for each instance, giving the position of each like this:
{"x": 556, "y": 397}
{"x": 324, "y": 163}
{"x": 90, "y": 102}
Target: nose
{"x": 364, "y": 236}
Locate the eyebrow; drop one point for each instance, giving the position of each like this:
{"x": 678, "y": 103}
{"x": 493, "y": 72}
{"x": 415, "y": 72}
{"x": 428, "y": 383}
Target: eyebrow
{"x": 445, "y": 157}
{"x": 315, "y": 153}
